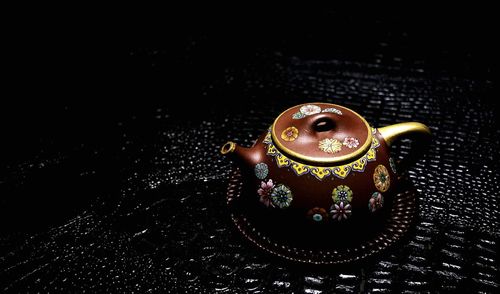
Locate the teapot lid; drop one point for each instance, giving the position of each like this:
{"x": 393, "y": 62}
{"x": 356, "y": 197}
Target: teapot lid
{"x": 321, "y": 133}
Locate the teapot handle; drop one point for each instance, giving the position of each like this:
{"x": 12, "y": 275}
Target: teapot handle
{"x": 418, "y": 132}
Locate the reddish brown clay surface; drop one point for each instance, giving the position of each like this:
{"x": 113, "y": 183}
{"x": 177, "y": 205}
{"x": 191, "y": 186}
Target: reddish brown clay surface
{"x": 312, "y": 194}
{"x": 320, "y": 126}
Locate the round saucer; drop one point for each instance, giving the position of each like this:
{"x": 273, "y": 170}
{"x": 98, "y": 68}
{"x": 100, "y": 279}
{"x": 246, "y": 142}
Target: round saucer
{"x": 400, "y": 219}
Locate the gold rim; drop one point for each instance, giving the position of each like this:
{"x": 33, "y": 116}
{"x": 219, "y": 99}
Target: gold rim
{"x": 228, "y": 147}
{"x": 363, "y": 149}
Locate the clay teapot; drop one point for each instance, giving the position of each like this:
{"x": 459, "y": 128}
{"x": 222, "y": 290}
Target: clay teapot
{"x": 320, "y": 174}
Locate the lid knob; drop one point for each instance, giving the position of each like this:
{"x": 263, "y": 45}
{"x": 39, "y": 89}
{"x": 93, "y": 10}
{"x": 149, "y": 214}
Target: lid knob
{"x": 323, "y": 123}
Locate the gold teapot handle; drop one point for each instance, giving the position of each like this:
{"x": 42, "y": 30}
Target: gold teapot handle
{"x": 418, "y": 132}
{"x": 393, "y": 132}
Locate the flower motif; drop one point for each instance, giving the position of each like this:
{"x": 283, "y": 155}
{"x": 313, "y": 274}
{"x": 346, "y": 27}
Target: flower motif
{"x": 290, "y": 134}
{"x": 281, "y": 196}
{"x": 331, "y": 109}
{"x": 317, "y": 214}
{"x": 330, "y": 145}
{"x": 298, "y": 115}
{"x": 350, "y": 142}
{"x": 376, "y": 202}
{"x": 340, "y": 211}
{"x": 261, "y": 170}
{"x": 310, "y": 109}
{"x": 264, "y": 192}
{"x": 381, "y": 178}
{"x": 393, "y": 165}
{"x": 342, "y": 194}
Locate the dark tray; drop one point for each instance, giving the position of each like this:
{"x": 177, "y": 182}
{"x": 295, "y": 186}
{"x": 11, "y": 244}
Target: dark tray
{"x": 400, "y": 219}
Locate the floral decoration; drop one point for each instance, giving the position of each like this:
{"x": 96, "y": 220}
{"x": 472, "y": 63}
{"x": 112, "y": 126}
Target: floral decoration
{"x": 310, "y": 109}
{"x": 265, "y": 192}
{"x": 298, "y": 115}
{"x": 376, "y": 202}
{"x": 393, "y": 165}
{"x": 261, "y": 170}
{"x": 281, "y": 196}
{"x": 381, "y": 178}
{"x": 330, "y": 145}
{"x": 290, "y": 134}
{"x": 321, "y": 172}
{"x": 350, "y": 142}
{"x": 342, "y": 193}
{"x": 317, "y": 214}
{"x": 331, "y": 109}
{"x": 340, "y": 211}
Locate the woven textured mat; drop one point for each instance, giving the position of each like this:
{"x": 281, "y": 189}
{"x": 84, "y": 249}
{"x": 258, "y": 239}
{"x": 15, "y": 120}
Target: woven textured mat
{"x": 143, "y": 209}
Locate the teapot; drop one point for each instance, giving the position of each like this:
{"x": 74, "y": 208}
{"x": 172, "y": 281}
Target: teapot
{"x": 320, "y": 175}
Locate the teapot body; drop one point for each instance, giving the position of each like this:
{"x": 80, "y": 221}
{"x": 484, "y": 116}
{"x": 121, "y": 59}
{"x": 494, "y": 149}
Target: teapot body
{"x": 287, "y": 195}
{"x": 310, "y": 197}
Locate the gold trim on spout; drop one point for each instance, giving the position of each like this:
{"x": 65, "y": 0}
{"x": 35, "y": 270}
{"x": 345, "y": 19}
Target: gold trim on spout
{"x": 229, "y": 147}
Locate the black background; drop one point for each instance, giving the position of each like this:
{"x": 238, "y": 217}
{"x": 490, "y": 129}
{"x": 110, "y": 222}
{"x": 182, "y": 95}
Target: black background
{"x": 105, "y": 115}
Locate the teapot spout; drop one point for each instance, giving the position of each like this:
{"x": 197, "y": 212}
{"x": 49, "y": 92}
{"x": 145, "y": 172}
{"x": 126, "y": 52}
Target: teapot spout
{"x": 244, "y": 157}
